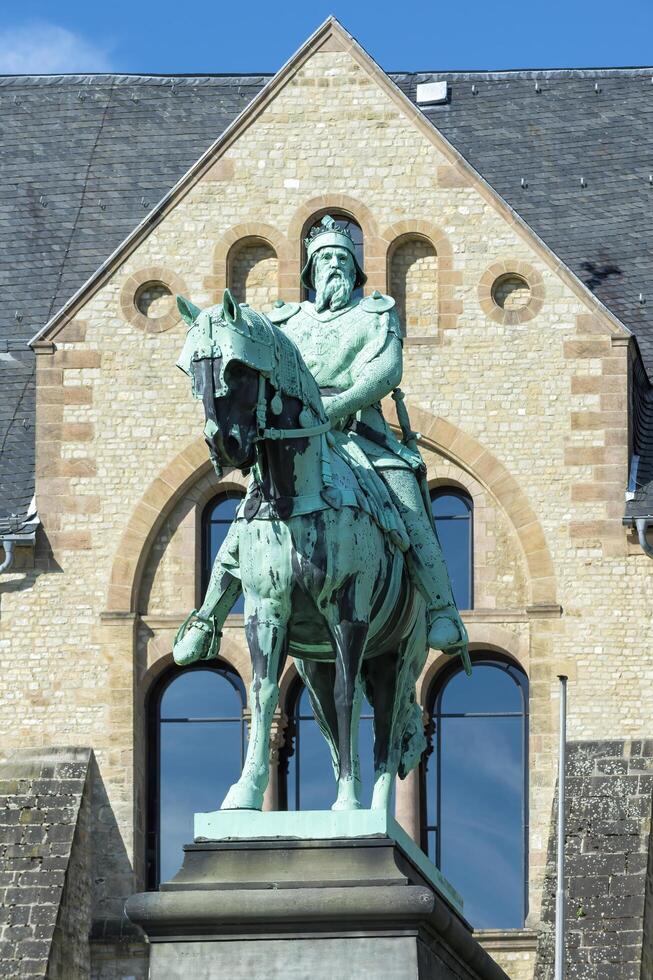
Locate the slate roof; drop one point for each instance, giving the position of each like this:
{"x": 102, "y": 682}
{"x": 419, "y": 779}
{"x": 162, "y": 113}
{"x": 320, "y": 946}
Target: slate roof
{"x": 83, "y": 158}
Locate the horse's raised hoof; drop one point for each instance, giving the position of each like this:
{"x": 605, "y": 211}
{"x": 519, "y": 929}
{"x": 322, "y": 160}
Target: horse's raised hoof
{"x": 243, "y": 798}
{"x": 194, "y": 645}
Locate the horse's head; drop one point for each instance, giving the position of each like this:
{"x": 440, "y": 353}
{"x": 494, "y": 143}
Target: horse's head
{"x": 228, "y": 355}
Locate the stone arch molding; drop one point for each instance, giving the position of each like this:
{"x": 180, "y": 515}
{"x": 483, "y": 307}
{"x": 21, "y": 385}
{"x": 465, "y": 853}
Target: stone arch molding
{"x": 482, "y": 636}
{"x": 239, "y": 234}
{"x": 162, "y": 495}
{"x": 449, "y": 308}
{"x": 373, "y": 243}
{"x": 448, "y": 440}
{"x": 437, "y": 434}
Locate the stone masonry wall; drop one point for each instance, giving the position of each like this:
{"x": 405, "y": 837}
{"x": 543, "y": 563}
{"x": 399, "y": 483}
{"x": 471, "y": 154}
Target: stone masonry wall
{"x": 254, "y": 271}
{"x": 413, "y": 283}
{"x": 528, "y": 405}
{"x": 45, "y": 882}
{"x": 608, "y": 864}
{"x": 70, "y": 953}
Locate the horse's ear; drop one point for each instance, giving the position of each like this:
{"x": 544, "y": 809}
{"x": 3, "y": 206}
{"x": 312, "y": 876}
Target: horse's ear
{"x": 188, "y": 310}
{"x": 230, "y": 307}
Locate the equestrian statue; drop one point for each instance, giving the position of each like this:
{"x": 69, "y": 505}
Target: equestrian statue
{"x": 333, "y": 546}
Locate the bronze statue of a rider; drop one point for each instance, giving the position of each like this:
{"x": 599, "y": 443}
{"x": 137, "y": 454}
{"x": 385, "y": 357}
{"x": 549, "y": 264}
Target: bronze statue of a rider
{"x": 353, "y": 348}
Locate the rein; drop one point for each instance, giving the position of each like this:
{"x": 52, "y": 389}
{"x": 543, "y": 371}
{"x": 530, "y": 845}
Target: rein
{"x": 271, "y": 433}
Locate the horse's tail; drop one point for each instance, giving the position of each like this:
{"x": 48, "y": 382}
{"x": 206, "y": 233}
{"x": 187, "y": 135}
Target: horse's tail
{"x": 413, "y": 743}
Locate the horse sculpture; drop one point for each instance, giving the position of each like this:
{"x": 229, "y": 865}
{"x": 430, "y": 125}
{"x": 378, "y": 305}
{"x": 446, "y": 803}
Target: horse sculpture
{"x": 321, "y": 556}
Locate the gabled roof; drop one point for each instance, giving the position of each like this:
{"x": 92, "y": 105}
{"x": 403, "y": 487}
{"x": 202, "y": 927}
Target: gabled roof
{"x": 86, "y": 157}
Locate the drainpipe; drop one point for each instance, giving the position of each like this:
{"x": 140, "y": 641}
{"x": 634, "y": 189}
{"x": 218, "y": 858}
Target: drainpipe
{"x": 560, "y": 923}
{"x": 641, "y": 523}
{"x": 24, "y": 532}
{"x": 8, "y": 545}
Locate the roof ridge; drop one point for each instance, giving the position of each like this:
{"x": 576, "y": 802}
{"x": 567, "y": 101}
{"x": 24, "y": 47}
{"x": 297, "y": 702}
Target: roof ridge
{"x": 131, "y": 78}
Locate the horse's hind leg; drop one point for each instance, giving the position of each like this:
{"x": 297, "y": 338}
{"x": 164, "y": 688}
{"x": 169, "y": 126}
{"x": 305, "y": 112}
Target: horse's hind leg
{"x": 349, "y": 631}
{"x": 380, "y": 676}
{"x": 399, "y": 730}
{"x": 319, "y": 679}
{"x": 267, "y": 637}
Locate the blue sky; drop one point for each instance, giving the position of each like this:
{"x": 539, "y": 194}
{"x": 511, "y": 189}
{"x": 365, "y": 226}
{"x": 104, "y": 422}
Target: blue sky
{"x": 217, "y": 36}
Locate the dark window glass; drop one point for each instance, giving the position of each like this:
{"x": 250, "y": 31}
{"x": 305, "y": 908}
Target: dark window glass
{"x": 307, "y": 781}
{"x": 452, "y": 511}
{"x": 356, "y": 233}
{"x": 216, "y": 520}
{"x": 197, "y": 745}
{"x": 475, "y": 781}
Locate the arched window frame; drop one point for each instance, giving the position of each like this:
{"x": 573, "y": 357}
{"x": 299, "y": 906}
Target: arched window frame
{"x": 153, "y": 751}
{"x": 451, "y": 490}
{"x": 346, "y": 218}
{"x": 207, "y": 522}
{"x": 435, "y": 715}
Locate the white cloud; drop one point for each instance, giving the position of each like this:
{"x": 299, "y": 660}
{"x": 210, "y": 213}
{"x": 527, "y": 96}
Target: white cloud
{"x": 42, "y": 48}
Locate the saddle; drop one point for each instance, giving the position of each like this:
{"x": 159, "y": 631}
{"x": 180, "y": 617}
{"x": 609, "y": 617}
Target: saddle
{"x": 351, "y": 481}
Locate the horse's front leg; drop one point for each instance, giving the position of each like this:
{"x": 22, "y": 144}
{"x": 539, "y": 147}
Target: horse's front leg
{"x": 266, "y": 628}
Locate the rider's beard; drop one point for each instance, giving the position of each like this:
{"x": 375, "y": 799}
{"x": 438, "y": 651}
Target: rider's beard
{"x": 333, "y": 289}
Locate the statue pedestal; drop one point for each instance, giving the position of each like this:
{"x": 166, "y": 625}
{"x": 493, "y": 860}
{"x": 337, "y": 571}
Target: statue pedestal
{"x": 336, "y": 895}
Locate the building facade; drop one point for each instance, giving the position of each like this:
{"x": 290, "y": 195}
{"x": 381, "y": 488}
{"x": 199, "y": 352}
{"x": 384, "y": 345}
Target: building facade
{"x": 525, "y": 370}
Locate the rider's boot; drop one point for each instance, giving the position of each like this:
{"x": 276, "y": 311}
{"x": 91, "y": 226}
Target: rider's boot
{"x": 200, "y": 634}
{"x": 427, "y": 567}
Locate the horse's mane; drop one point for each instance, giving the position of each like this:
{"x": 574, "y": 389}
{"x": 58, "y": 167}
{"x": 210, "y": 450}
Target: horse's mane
{"x": 291, "y": 375}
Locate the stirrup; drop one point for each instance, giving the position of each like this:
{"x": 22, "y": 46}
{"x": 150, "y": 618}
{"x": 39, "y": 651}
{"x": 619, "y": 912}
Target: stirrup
{"x": 205, "y": 625}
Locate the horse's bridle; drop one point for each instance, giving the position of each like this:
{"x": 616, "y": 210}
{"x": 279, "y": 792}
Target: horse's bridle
{"x": 272, "y": 433}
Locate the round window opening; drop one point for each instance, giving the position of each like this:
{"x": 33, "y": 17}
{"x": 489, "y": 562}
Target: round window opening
{"x": 153, "y": 300}
{"x": 511, "y": 292}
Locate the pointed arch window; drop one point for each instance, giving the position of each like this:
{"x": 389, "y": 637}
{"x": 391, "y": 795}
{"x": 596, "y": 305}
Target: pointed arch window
{"x": 453, "y": 512}
{"x": 216, "y": 521}
{"x": 476, "y": 788}
{"x": 350, "y": 224}
{"x": 197, "y": 739}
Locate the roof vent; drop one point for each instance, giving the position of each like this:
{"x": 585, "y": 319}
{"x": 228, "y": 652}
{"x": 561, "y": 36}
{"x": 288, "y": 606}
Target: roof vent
{"x": 432, "y": 93}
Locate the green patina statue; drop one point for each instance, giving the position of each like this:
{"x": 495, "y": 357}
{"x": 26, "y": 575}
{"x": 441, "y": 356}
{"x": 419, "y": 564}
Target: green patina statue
{"x": 334, "y": 546}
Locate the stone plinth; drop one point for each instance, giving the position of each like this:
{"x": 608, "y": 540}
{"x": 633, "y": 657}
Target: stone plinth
{"x": 293, "y": 907}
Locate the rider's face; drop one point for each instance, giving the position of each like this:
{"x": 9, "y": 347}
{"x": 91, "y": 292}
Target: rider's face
{"x": 334, "y": 275}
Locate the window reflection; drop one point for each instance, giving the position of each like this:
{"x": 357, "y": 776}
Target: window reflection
{"x": 476, "y": 789}
{"x": 216, "y": 521}
{"x": 307, "y": 781}
{"x": 452, "y": 511}
{"x": 197, "y": 744}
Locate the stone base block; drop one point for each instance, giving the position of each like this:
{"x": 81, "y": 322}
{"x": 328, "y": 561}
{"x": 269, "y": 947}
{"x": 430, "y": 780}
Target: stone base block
{"x": 299, "y": 909}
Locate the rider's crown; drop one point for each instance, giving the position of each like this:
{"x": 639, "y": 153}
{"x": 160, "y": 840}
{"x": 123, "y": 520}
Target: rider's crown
{"x": 328, "y": 232}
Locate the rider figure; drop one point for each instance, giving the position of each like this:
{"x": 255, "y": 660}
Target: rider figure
{"x": 353, "y": 348}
